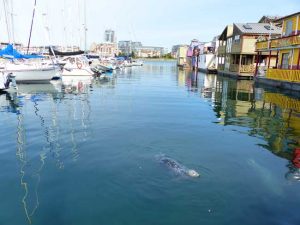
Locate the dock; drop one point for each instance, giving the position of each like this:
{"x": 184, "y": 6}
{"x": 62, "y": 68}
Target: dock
{"x": 285, "y": 85}
{"x": 239, "y": 76}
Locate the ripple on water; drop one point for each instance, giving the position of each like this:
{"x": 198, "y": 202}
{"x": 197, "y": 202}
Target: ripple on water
{"x": 87, "y": 155}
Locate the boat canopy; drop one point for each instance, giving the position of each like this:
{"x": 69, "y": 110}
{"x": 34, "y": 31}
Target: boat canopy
{"x": 10, "y": 53}
{"x": 59, "y": 53}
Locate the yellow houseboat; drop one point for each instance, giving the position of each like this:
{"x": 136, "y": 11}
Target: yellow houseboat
{"x": 286, "y": 72}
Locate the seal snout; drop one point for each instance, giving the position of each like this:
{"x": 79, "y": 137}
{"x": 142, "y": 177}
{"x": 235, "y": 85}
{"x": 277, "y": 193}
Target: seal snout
{"x": 193, "y": 173}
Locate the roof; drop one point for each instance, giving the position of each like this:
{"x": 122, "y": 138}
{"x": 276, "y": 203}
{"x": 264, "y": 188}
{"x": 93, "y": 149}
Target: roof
{"x": 266, "y": 19}
{"x": 257, "y": 28}
{"x": 294, "y": 14}
{"x": 227, "y": 32}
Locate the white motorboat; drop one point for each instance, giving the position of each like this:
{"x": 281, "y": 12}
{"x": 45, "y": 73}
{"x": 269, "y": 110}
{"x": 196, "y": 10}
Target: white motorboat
{"x": 77, "y": 66}
{"x": 137, "y": 63}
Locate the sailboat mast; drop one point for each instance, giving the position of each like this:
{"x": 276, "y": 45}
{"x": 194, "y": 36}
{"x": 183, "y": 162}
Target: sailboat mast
{"x": 12, "y": 22}
{"x": 33, "y": 14}
{"x": 85, "y": 28}
{"x": 6, "y": 21}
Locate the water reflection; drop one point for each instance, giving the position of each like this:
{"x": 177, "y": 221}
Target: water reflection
{"x": 159, "y": 67}
{"x": 76, "y": 85}
{"x": 31, "y": 156}
{"x": 84, "y": 138}
{"x": 46, "y": 104}
{"x": 269, "y": 115}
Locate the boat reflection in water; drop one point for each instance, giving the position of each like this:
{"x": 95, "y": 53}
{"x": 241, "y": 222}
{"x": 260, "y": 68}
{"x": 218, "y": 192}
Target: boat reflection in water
{"x": 35, "y": 147}
{"x": 266, "y": 114}
{"x": 76, "y": 85}
{"x": 31, "y": 161}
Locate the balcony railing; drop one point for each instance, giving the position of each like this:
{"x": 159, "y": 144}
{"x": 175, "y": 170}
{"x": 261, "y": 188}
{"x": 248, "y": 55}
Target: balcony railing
{"x": 262, "y": 45}
{"x": 234, "y": 68}
{"x": 236, "y": 48}
{"x": 284, "y": 75}
{"x": 242, "y": 69}
{"x": 278, "y": 43}
{"x": 286, "y": 41}
{"x": 221, "y": 67}
{"x": 221, "y": 50}
{"x": 247, "y": 68}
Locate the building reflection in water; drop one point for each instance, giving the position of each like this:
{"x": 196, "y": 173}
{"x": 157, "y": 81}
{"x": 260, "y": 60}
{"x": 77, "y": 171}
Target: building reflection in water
{"x": 266, "y": 114}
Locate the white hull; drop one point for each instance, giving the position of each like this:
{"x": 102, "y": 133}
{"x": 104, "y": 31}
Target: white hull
{"x": 3, "y": 81}
{"x": 77, "y": 72}
{"x": 34, "y": 76}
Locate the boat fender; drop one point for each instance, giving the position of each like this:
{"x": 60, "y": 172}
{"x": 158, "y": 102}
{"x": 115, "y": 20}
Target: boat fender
{"x": 79, "y": 65}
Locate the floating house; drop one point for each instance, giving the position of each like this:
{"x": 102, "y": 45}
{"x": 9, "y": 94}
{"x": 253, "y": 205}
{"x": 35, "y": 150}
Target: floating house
{"x": 193, "y": 54}
{"x": 182, "y": 55}
{"x": 208, "y": 58}
{"x": 286, "y": 71}
{"x": 237, "y": 48}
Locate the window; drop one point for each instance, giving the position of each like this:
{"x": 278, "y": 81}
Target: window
{"x": 285, "y": 61}
{"x": 237, "y": 39}
{"x": 228, "y": 46}
{"x": 289, "y": 28}
{"x": 268, "y": 27}
{"x": 247, "y": 27}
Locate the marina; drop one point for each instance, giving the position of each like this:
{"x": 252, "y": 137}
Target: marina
{"x": 83, "y": 150}
{"x": 149, "y": 113}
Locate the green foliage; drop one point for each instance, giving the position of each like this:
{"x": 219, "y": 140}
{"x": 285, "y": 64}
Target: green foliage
{"x": 133, "y": 54}
{"x": 168, "y": 56}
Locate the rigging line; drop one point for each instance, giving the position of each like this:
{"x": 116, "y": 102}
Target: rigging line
{"x": 6, "y": 20}
{"x": 12, "y": 21}
{"x": 33, "y": 14}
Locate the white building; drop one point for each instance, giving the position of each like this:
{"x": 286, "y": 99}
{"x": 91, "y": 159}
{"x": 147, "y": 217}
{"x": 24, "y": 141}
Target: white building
{"x": 150, "y": 52}
{"x": 208, "y": 58}
{"x": 109, "y": 36}
{"x": 181, "y": 55}
{"x": 106, "y": 49}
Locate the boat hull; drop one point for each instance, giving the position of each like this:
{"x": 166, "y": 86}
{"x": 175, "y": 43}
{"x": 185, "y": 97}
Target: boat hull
{"x": 4, "y": 81}
{"x": 35, "y": 75}
{"x": 77, "y": 72}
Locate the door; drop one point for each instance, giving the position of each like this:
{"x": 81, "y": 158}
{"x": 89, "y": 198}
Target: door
{"x": 285, "y": 61}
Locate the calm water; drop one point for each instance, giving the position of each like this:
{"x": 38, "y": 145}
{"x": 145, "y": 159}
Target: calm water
{"x": 86, "y": 152}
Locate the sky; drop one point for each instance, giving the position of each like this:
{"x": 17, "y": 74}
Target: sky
{"x": 153, "y": 22}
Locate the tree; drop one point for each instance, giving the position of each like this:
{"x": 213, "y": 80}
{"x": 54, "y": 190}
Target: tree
{"x": 133, "y": 54}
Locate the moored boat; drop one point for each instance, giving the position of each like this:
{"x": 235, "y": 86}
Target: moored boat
{"x": 5, "y": 81}
{"x": 27, "y": 68}
{"x": 77, "y": 66}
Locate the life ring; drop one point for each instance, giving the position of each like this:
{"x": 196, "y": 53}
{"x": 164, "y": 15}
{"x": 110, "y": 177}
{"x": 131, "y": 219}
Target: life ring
{"x": 79, "y": 65}
{"x": 72, "y": 61}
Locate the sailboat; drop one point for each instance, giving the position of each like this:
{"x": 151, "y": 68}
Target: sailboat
{"x": 26, "y": 68}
